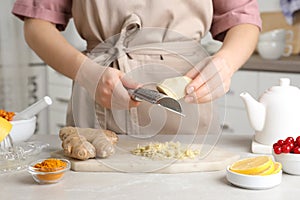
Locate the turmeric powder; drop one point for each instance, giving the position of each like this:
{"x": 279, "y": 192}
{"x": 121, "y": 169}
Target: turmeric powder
{"x": 50, "y": 165}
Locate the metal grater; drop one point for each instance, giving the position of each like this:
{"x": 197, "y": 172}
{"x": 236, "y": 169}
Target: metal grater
{"x": 155, "y": 97}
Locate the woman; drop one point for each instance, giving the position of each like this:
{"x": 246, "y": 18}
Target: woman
{"x": 142, "y": 42}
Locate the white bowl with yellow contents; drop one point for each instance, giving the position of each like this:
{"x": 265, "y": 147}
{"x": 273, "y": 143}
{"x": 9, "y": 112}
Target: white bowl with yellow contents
{"x": 255, "y": 173}
{"x": 256, "y": 182}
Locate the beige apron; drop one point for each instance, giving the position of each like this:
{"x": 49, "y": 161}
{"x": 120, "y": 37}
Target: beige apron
{"x": 122, "y": 36}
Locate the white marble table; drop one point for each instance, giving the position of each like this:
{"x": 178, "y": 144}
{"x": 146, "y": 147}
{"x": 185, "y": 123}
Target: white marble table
{"x": 143, "y": 186}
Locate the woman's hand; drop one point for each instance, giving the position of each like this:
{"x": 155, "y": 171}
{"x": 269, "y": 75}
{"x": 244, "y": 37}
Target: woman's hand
{"x": 212, "y": 76}
{"x": 210, "y": 80}
{"x": 111, "y": 91}
{"x": 106, "y": 85}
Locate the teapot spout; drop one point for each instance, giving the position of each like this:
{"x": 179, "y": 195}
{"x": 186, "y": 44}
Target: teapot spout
{"x": 256, "y": 111}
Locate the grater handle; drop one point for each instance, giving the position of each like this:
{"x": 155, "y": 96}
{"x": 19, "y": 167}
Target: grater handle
{"x": 132, "y": 94}
{"x": 142, "y": 94}
{"x": 154, "y": 97}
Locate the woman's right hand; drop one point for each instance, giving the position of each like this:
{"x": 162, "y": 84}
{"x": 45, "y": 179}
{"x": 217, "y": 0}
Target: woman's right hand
{"x": 106, "y": 85}
{"x": 111, "y": 90}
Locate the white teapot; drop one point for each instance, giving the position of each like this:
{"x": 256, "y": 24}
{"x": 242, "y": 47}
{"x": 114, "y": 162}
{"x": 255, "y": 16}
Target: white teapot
{"x": 276, "y": 115}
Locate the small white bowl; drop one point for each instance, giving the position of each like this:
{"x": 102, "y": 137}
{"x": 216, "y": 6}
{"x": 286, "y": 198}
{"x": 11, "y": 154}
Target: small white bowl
{"x": 22, "y": 130}
{"x": 255, "y": 182}
{"x": 290, "y": 162}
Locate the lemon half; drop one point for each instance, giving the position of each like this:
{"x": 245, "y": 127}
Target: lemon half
{"x": 5, "y": 127}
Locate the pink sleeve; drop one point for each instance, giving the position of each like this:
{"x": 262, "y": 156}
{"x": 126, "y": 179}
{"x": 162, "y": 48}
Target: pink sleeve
{"x": 55, "y": 11}
{"x": 228, "y": 13}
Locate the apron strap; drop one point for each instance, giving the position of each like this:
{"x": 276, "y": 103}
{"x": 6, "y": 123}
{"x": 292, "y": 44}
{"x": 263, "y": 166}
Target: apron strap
{"x": 110, "y": 50}
{"x": 114, "y": 50}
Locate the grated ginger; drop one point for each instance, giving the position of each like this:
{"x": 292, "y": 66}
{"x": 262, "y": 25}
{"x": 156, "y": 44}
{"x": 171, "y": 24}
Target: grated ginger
{"x": 167, "y": 150}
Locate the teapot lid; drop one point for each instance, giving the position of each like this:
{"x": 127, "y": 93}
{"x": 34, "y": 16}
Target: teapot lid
{"x": 284, "y": 85}
{"x": 284, "y": 82}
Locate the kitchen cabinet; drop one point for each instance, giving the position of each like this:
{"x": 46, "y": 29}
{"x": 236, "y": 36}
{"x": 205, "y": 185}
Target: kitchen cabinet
{"x": 59, "y": 86}
{"x": 234, "y": 120}
{"x": 37, "y": 89}
{"x": 241, "y": 81}
{"x": 233, "y": 116}
{"x": 59, "y": 89}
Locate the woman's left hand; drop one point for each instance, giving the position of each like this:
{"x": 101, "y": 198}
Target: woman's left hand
{"x": 211, "y": 79}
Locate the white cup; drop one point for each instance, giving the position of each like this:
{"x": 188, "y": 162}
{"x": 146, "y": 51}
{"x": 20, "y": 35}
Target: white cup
{"x": 277, "y": 35}
{"x": 273, "y": 50}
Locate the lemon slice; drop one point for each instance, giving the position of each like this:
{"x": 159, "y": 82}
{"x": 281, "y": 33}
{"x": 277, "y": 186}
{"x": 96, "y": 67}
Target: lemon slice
{"x": 268, "y": 171}
{"x": 277, "y": 167}
{"x": 5, "y": 127}
{"x": 252, "y": 166}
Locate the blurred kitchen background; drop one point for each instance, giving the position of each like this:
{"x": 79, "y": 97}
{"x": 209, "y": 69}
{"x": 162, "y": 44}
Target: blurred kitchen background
{"x": 25, "y": 78}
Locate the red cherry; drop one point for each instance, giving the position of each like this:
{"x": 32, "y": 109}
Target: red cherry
{"x": 285, "y": 148}
{"x": 292, "y": 146}
{"x": 289, "y": 140}
{"x": 275, "y": 144}
{"x": 296, "y": 150}
{"x": 298, "y": 140}
{"x": 280, "y": 142}
{"x": 277, "y": 150}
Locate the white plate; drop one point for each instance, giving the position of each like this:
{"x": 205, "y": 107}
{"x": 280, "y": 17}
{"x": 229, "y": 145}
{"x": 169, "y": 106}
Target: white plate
{"x": 254, "y": 182}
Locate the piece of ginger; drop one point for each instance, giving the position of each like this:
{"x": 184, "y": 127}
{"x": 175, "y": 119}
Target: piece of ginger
{"x": 85, "y": 143}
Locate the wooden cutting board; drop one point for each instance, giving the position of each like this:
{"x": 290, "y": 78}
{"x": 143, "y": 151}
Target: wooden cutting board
{"x": 210, "y": 159}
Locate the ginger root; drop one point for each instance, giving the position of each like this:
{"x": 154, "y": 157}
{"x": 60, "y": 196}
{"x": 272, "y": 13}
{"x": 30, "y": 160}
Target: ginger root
{"x": 85, "y": 143}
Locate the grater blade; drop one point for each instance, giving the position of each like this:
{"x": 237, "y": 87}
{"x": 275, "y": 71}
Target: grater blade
{"x": 155, "y": 97}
